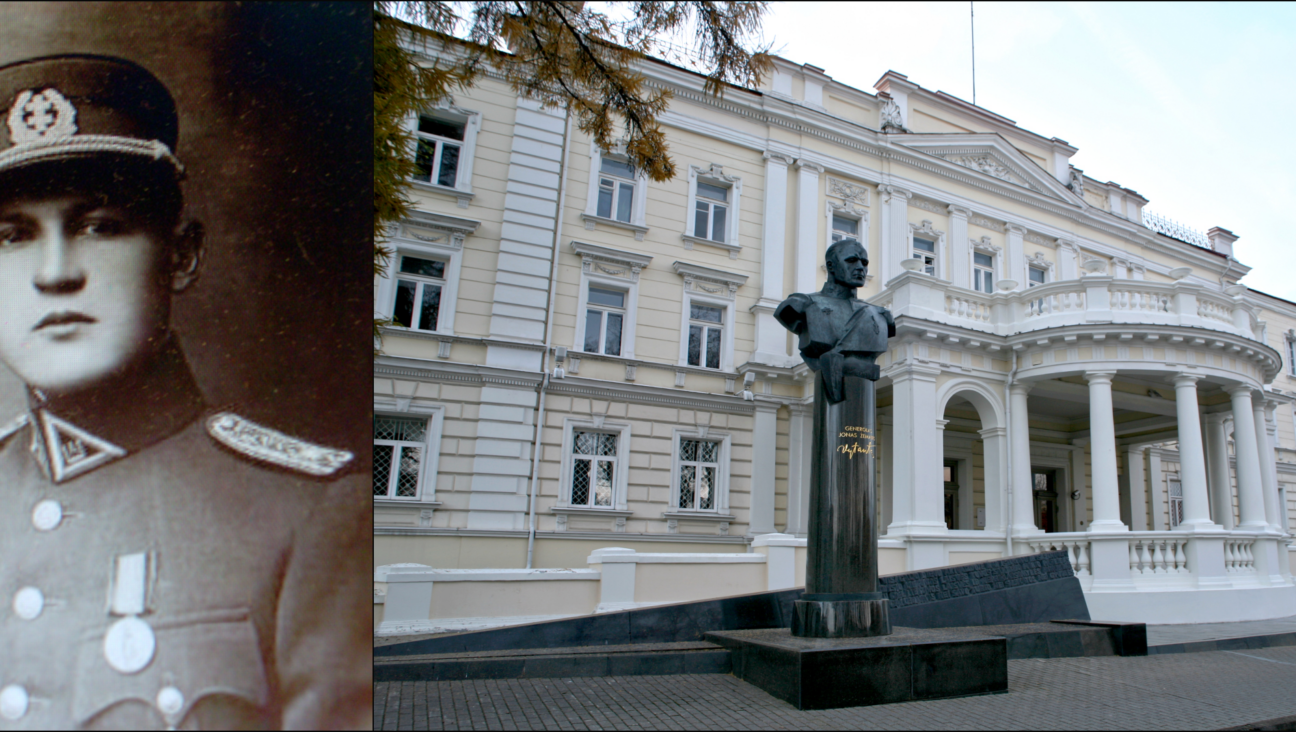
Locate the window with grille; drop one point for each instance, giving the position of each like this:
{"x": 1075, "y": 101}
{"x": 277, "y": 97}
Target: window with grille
{"x": 399, "y": 446}
{"x": 1176, "y": 503}
{"x": 925, "y": 250}
{"x": 604, "y": 321}
{"x": 710, "y": 211}
{"x": 1291, "y": 357}
{"x": 699, "y": 466}
{"x": 844, "y": 228}
{"x": 418, "y": 293}
{"x": 706, "y": 335}
{"x": 440, "y": 147}
{"x": 594, "y": 457}
{"x": 616, "y": 189}
{"x": 982, "y": 272}
{"x": 1037, "y": 276}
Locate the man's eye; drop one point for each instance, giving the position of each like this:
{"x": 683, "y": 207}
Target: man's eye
{"x": 101, "y": 227}
{"x": 11, "y": 234}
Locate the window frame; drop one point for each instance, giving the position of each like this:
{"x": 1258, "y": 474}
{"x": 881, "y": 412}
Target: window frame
{"x": 471, "y": 121}
{"x": 426, "y": 236}
{"x": 715, "y": 288}
{"x": 925, "y": 231}
{"x": 987, "y": 272}
{"x": 1290, "y": 338}
{"x": 985, "y": 245}
{"x": 707, "y": 326}
{"x": 615, "y": 270}
{"x": 638, "y": 206}
{"x": 621, "y": 474}
{"x": 429, "y": 469}
{"x": 714, "y": 175}
{"x": 420, "y": 287}
{"x": 1039, "y": 262}
{"x": 605, "y": 311}
{"x": 721, "y": 503}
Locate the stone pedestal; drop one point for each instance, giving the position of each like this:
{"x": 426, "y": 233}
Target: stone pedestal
{"x": 841, "y": 597}
{"x": 908, "y": 665}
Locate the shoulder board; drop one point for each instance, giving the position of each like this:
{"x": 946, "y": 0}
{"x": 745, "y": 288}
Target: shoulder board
{"x": 262, "y": 443}
{"x": 11, "y": 427}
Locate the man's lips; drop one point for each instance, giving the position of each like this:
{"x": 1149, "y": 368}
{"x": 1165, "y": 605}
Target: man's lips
{"x": 63, "y": 318}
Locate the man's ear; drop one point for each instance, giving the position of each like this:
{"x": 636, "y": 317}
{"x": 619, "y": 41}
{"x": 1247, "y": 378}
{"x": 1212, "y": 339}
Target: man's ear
{"x": 186, "y": 256}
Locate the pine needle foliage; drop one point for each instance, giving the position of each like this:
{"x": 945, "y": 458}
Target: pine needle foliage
{"x": 561, "y": 54}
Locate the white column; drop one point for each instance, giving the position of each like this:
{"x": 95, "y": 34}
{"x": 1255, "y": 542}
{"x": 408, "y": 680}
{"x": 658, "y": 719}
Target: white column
{"x": 994, "y": 444}
{"x": 886, "y": 440}
{"x": 960, "y": 272}
{"x": 1068, "y": 260}
{"x": 917, "y": 492}
{"x": 1156, "y": 486}
{"x": 1079, "y": 483}
{"x": 1023, "y": 503}
{"x": 1016, "y": 253}
{"x": 895, "y": 231}
{"x": 1268, "y": 471}
{"x": 1192, "y": 460}
{"x": 772, "y": 338}
{"x": 799, "y": 439}
{"x": 807, "y": 227}
{"x": 1217, "y": 462}
{"x": 1102, "y": 435}
{"x": 1134, "y": 469}
{"x": 764, "y": 449}
{"x": 1250, "y": 490}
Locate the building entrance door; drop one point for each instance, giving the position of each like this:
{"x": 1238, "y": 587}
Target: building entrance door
{"x": 1046, "y": 499}
{"x": 951, "y": 494}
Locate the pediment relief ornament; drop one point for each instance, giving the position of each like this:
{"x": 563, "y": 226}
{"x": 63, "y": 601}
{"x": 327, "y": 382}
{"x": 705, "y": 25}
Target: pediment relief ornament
{"x": 1038, "y": 239}
{"x": 849, "y": 191}
{"x": 429, "y": 235}
{"x": 928, "y": 206}
{"x": 987, "y": 164}
{"x": 891, "y": 116}
{"x": 848, "y": 208}
{"x": 926, "y": 228}
{"x": 711, "y": 287}
{"x": 985, "y": 244}
{"x": 983, "y": 222}
{"x": 1038, "y": 260}
{"x": 593, "y": 264}
{"x": 715, "y": 172}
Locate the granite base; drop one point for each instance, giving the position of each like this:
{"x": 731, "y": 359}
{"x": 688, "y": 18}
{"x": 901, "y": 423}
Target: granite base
{"x": 861, "y": 616}
{"x": 911, "y": 664}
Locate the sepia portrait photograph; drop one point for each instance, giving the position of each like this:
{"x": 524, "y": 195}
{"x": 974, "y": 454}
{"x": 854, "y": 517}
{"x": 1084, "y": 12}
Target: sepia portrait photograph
{"x": 184, "y": 227}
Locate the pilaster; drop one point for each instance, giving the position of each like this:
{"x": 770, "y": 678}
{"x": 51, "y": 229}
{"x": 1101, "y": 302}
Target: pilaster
{"x": 799, "y": 447}
{"x": 1015, "y": 250}
{"x": 771, "y": 337}
{"x": 917, "y": 492}
{"x": 764, "y": 450}
{"x": 895, "y": 231}
{"x": 960, "y": 272}
{"x": 807, "y": 226}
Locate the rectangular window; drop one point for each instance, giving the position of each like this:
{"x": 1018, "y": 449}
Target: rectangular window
{"x": 418, "y": 293}
{"x": 699, "y": 471}
{"x": 982, "y": 272}
{"x": 436, "y": 159}
{"x": 1176, "y": 503}
{"x": 844, "y": 228}
{"x": 925, "y": 249}
{"x": 705, "y": 335}
{"x": 604, "y": 320}
{"x": 1291, "y": 357}
{"x": 712, "y": 207}
{"x": 616, "y": 189}
{"x": 398, "y": 456}
{"x": 594, "y": 456}
{"x": 1037, "y": 276}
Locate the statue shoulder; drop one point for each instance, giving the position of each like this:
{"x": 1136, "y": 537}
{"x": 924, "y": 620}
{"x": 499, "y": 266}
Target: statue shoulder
{"x": 792, "y": 311}
{"x": 890, "y": 320}
{"x": 12, "y": 427}
{"x": 251, "y": 440}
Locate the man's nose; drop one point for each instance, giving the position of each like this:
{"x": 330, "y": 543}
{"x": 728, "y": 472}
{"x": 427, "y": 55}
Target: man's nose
{"x": 57, "y": 274}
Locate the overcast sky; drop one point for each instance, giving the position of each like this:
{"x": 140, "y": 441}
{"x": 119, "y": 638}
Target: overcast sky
{"x": 1188, "y": 104}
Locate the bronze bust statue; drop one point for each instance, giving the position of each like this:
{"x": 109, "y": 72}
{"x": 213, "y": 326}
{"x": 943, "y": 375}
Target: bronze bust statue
{"x": 840, "y": 335}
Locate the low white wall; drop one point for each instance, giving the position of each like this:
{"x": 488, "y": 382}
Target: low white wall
{"x": 1171, "y": 607}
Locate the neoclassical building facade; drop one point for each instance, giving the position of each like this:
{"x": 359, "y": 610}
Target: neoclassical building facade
{"x": 582, "y": 358}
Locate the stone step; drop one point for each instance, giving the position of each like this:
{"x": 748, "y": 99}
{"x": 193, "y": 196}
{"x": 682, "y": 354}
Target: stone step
{"x": 639, "y": 659}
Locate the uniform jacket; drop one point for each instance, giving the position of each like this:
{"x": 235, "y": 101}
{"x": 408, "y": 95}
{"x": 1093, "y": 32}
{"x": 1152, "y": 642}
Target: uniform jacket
{"x": 825, "y": 323}
{"x": 253, "y": 573}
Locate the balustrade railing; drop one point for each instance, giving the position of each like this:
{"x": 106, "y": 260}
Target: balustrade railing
{"x": 1057, "y": 302}
{"x": 1076, "y": 547}
{"x": 963, "y": 306}
{"x": 1238, "y": 557}
{"x": 1141, "y": 300}
{"x": 1214, "y": 311}
{"x": 1158, "y": 553}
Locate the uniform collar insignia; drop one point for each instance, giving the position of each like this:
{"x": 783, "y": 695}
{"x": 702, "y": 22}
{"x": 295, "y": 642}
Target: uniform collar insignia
{"x": 40, "y": 116}
{"x": 66, "y": 450}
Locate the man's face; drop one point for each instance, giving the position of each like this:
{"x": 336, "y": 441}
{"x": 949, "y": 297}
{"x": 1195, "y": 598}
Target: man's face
{"x": 850, "y": 266}
{"x": 83, "y": 289}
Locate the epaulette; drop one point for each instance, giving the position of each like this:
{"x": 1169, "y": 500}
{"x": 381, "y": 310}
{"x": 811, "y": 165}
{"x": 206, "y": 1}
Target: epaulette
{"x": 11, "y": 428}
{"x": 262, "y": 443}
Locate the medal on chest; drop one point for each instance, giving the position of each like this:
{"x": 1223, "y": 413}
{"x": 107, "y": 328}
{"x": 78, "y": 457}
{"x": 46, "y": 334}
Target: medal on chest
{"x": 129, "y": 643}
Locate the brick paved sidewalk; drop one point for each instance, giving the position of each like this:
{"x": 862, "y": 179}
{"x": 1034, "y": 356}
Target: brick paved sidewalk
{"x": 1184, "y": 691}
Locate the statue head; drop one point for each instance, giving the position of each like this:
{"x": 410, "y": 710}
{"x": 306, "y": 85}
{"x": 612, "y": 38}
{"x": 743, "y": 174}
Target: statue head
{"x": 847, "y": 263}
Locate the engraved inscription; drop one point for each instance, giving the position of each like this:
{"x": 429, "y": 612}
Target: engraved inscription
{"x": 861, "y": 441}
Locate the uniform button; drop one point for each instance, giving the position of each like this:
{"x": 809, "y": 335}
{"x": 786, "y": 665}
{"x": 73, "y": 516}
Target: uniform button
{"x": 170, "y": 700}
{"x": 47, "y": 515}
{"x": 13, "y": 702}
{"x": 28, "y": 603}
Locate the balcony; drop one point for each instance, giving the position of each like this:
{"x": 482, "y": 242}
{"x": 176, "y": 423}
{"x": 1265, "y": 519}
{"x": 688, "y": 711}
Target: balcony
{"x": 1091, "y": 300}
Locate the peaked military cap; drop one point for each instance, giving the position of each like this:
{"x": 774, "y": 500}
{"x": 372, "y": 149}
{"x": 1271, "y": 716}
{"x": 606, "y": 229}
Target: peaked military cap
{"x": 70, "y": 107}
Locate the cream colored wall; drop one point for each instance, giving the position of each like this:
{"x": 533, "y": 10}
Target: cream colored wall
{"x": 687, "y": 582}
{"x": 971, "y": 557}
{"x": 890, "y": 561}
{"x": 377, "y": 616}
{"x": 454, "y": 552}
{"x": 783, "y": 428}
{"x": 514, "y": 597}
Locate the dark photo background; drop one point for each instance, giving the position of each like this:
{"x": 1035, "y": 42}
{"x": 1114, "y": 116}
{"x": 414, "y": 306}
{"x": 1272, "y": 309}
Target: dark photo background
{"x": 276, "y": 135}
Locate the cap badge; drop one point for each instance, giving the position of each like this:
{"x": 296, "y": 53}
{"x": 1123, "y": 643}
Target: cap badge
{"x": 39, "y": 116}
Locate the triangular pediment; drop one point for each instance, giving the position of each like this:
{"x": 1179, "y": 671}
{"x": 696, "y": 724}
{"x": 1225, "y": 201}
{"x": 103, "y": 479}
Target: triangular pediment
{"x": 990, "y": 155}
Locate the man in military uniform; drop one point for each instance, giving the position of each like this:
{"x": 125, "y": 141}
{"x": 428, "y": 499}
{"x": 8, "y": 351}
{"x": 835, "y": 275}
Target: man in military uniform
{"x": 165, "y": 564}
{"x": 839, "y": 334}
